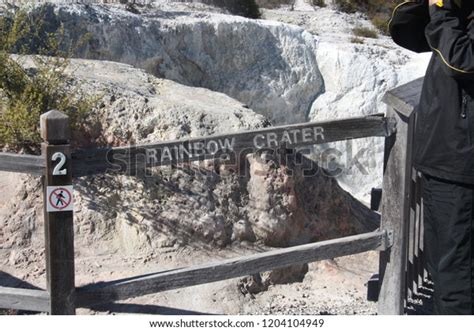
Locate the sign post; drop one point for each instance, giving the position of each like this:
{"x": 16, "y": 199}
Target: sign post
{"x": 58, "y": 213}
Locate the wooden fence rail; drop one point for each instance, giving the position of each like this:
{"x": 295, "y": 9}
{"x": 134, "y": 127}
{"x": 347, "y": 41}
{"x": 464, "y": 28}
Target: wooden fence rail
{"x": 398, "y": 240}
{"x": 396, "y": 263}
{"x": 130, "y": 159}
{"x": 418, "y": 286}
{"x": 248, "y": 265}
{"x": 30, "y": 164}
{"x": 24, "y": 299}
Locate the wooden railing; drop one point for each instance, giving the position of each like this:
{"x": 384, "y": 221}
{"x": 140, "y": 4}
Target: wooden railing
{"x": 58, "y": 166}
{"x": 402, "y": 271}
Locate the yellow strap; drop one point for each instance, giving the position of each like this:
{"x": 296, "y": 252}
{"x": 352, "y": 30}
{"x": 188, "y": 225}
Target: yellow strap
{"x": 448, "y": 64}
{"x": 441, "y": 56}
{"x": 440, "y": 3}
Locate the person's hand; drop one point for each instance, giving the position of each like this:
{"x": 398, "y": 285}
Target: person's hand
{"x": 433, "y": 2}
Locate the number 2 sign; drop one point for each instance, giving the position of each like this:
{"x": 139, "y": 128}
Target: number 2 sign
{"x": 59, "y": 169}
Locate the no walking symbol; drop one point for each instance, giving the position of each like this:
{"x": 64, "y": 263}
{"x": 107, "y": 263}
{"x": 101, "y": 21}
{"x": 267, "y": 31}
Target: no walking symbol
{"x": 59, "y": 198}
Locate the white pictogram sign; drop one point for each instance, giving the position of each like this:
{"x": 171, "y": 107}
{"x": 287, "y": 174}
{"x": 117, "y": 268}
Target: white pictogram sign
{"x": 59, "y": 198}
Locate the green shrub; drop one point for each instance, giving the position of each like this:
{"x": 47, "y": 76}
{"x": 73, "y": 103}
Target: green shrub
{"x": 132, "y": 7}
{"x": 27, "y": 93}
{"x": 357, "y": 40}
{"x": 248, "y": 8}
{"x": 370, "y": 7}
{"x": 364, "y": 32}
{"x": 8, "y": 312}
{"x": 380, "y": 21}
{"x": 271, "y": 4}
{"x": 346, "y": 6}
{"x": 378, "y": 11}
{"x": 319, "y": 3}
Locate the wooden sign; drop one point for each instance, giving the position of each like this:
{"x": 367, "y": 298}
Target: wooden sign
{"x": 58, "y": 213}
{"x": 227, "y": 146}
{"x": 59, "y": 198}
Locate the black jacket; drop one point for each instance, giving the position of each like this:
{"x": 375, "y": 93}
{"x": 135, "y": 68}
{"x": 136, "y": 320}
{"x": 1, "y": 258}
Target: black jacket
{"x": 444, "y": 138}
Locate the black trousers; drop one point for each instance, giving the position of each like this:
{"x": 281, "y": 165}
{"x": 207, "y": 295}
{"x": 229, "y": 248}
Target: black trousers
{"x": 448, "y": 243}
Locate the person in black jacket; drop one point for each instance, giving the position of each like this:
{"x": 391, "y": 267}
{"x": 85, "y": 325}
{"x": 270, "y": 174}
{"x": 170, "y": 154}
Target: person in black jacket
{"x": 444, "y": 142}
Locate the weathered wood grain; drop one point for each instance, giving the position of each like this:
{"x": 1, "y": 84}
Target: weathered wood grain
{"x": 54, "y": 127}
{"x": 59, "y": 230}
{"x": 417, "y": 270}
{"x": 411, "y": 249}
{"x": 130, "y": 159}
{"x": 30, "y": 164}
{"x": 395, "y": 214}
{"x": 24, "y": 299}
{"x": 167, "y": 280}
{"x": 423, "y": 273}
{"x": 405, "y": 97}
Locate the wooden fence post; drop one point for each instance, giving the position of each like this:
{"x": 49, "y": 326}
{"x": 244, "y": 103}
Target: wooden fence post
{"x": 58, "y": 214}
{"x": 396, "y": 198}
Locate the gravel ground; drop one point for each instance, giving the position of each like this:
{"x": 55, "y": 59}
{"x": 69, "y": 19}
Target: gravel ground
{"x": 330, "y": 287}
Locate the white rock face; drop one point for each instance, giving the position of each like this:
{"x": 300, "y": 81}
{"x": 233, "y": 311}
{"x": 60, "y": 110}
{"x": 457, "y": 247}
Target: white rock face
{"x": 356, "y": 76}
{"x": 303, "y": 5}
{"x": 287, "y": 73}
{"x": 283, "y": 72}
{"x": 267, "y": 65}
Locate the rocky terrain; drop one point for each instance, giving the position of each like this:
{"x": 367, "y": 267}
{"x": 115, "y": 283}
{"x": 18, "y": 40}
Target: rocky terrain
{"x": 311, "y": 69}
{"x": 206, "y": 72}
{"x": 356, "y": 75}
{"x": 197, "y": 207}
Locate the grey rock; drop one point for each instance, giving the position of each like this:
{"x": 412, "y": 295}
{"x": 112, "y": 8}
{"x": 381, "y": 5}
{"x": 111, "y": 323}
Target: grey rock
{"x": 272, "y": 203}
{"x": 269, "y": 66}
